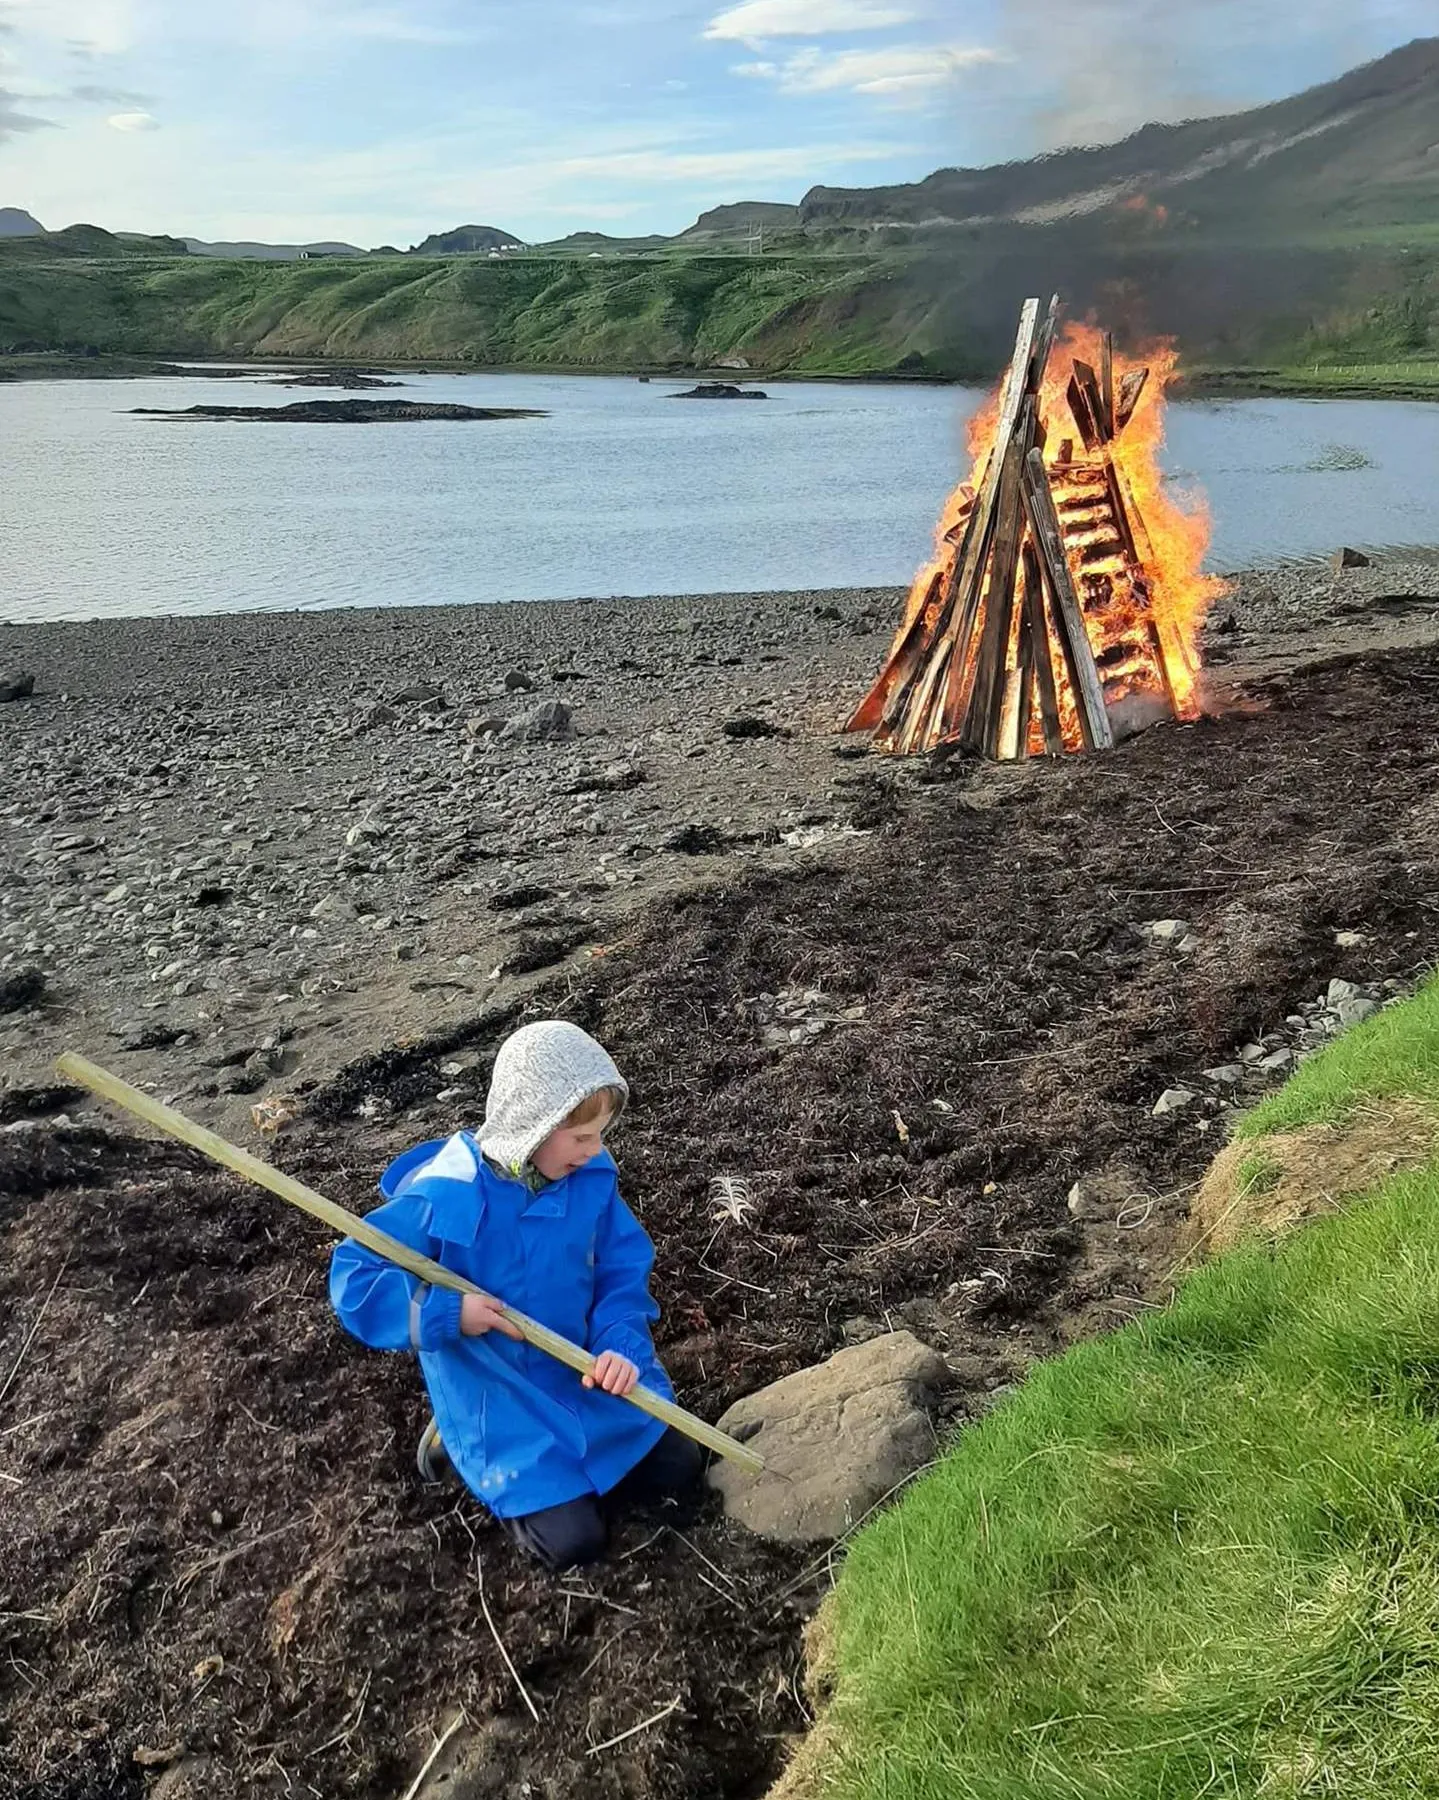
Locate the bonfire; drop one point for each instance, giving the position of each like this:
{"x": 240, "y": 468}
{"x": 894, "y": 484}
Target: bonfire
{"x": 1063, "y": 607}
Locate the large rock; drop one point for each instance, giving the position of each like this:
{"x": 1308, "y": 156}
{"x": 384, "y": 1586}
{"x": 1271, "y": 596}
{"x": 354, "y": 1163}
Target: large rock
{"x": 551, "y": 722}
{"x": 836, "y": 1439}
{"x": 16, "y": 687}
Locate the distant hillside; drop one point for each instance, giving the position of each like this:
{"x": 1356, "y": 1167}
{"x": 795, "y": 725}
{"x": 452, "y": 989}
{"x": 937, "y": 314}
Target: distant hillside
{"x": 88, "y": 242}
{"x": 738, "y": 220}
{"x": 466, "y": 240}
{"x": 1302, "y": 234}
{"x": 247, "y": 252}
{"x": 1363, "y": 149}
{"x": 16, "y": 223}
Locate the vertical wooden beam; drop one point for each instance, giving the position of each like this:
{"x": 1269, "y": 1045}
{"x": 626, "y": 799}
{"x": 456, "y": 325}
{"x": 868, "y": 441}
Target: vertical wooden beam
{"x": 1069, "y": 618}
{"x": 1048, "y": 693}
{"x": 1106, "y": 382}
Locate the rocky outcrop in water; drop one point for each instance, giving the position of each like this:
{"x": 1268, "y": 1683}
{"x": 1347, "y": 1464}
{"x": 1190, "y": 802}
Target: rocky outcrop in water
{"x": 720, "y": 390}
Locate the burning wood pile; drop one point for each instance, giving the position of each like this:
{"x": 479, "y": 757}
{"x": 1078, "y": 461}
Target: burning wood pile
{"x": 1062, "y": 610}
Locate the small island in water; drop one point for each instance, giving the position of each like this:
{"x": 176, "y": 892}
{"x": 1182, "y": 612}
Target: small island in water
{"x": 720, "y": 390}
{"x": 345, "y": 412}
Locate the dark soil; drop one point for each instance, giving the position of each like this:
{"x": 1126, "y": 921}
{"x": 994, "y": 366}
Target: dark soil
{"x": 196, "y": 1465}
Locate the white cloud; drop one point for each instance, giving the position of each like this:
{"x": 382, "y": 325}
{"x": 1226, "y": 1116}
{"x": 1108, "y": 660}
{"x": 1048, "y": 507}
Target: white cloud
{"x": 757, "y": 20}
{"x": 906, "y": 75}
{"x": 133, "y": 121}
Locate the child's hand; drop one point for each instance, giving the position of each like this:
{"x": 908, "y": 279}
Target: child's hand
{"x": 615, "y": 1374}
{"x": 479, "y": 1314}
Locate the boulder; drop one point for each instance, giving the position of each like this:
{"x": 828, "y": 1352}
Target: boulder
{"x": 551, "y": 722}
{"x": 1348, "y": 559}
{"x": 836, "y": 1439}
{"x": 1173, "y": 1100}
{"x": 16, "y": 687}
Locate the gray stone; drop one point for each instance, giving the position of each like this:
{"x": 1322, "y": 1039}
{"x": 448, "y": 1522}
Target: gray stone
{"x": 836, "y": 1439}
{"x": 1173, "y": 1100}
{"x": 1166, "y": 931}
{"x": 1226, "y": 1075}
{"x": 550, "y": 722}
{"x": 1348, "y": 559}
{"x": 519, "y": 681}
{"x": 1355, "y": 1012}
{"x": 1350, "y": 940}
{"x": 1339, "y": 992}
{"x": 417, "y": 694}
{"x": 378, "y": 715}
{"x": 16, "y": 687}
{"x": 1277, "y": 1061}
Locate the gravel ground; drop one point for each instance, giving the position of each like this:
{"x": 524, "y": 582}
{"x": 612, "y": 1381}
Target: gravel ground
{"x": 239, "y": 852}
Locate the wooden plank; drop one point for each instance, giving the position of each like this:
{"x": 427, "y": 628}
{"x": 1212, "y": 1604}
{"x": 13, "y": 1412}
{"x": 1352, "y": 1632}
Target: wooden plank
{"x": 1088, "y": 382}
{"x": 870, "y": 711}
{"x": 981, "y": 723}
{"x": 1120, "y": 511}
{"x": 1130, "y": 389}
{"x": 917, "y": 732}
{"x": 1024, "y": 707}
{"x": 1083, "y": 416}
{"x": 1106, "y": 382}
{"x": 1069, "y": 619}
{"x": 1048, "y": 693}
{"x": 1156, "y": 643}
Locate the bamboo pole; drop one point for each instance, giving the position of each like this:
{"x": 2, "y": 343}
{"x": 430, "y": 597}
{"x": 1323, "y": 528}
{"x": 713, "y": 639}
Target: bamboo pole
{"x": 164, "y": 1118}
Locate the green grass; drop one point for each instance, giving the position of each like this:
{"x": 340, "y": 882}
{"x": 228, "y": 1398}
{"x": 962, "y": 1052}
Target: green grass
{"x": 1196, "y": 1558}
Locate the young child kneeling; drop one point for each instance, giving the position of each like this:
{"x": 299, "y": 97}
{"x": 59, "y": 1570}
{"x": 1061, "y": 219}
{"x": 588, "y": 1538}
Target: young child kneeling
{"x": 529, "y": 1209}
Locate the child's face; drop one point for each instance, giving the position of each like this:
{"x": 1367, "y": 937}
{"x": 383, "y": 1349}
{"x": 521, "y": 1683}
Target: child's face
{"x": 570, "y": 1147}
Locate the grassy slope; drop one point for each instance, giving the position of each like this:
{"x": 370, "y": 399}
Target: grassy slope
{"x": 943, "y": 305}
{"x": 1195, "y": 1558}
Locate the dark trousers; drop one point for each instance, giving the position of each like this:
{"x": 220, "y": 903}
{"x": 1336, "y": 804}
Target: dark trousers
{"x": 563, "y": 1537}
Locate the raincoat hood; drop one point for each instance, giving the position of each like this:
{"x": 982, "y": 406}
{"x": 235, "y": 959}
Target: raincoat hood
{"x": 541, "y": 1075}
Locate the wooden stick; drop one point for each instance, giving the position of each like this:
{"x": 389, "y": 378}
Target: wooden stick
{"x": 1106, "y": 382}
{"x": 164, "y": 1118}
{"x": 500, "y": 1643}
{"x": 635, "y": 1730}
{"x": 413, "y": 1790}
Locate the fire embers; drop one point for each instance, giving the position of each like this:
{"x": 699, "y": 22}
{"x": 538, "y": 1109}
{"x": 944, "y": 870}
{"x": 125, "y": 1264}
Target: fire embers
{"x": 1064, "y": 604}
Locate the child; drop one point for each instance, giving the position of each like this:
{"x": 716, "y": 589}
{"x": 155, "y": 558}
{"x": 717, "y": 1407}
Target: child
{"x": 527, "y": 1208}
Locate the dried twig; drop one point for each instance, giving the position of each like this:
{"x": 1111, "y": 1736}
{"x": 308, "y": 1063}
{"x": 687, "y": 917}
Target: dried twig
{"x": 634, "y": 1730}
{"x": 454, "y": 1725}
{"x": 499, "y": 1645}
{"x": 30, "y": 1335}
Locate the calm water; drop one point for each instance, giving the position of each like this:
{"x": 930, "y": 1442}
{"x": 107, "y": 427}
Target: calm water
{"x": 621, "y": 490}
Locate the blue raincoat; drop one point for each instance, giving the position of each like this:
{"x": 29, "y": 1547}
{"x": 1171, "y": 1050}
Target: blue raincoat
{"x": 521, "y": 1430}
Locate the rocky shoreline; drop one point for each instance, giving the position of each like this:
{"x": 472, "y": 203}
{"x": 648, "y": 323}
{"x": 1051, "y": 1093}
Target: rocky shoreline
{"x": 241, "y": 851}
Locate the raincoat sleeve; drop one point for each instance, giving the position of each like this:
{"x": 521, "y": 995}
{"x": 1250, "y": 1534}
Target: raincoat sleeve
{"x": 622, "y": 1311}
{"x": 384, "y": 1306}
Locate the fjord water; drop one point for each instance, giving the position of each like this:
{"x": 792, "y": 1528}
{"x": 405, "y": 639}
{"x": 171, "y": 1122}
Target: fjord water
{"x": 622, "y": 489}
